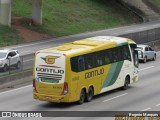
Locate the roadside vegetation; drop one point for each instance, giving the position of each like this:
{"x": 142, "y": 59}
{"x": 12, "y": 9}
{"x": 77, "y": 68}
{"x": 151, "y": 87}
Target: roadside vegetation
{"x": 8, "y": 36}
{"x": 156, "y": 3}
{"x": 66, "y": 17}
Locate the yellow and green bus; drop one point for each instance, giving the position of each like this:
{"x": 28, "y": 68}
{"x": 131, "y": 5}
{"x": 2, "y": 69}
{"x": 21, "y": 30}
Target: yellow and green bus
{"x": 78, "y": 70}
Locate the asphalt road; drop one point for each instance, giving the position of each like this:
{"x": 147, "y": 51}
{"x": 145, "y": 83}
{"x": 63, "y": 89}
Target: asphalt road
{"x": 141, "y": 96}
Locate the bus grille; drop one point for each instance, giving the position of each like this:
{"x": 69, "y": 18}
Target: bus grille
{"x": 49, "y": 76}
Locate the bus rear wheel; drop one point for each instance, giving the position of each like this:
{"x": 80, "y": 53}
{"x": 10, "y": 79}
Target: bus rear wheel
{"x": 90, "y": 94}
{"x": 82, "y": 97}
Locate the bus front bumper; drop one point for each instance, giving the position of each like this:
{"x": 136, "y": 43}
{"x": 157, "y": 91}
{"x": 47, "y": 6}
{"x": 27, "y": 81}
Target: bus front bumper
{"x": 50, "y": 98}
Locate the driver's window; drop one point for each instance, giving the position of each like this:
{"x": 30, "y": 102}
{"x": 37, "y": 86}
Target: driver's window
{"x": 10, "y": 54}
{"x": 13, "y": 54}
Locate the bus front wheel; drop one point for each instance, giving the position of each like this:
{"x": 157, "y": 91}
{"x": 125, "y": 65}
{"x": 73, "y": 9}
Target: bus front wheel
{"x": 82, "y": 97}
{"x": 126, "y": 84}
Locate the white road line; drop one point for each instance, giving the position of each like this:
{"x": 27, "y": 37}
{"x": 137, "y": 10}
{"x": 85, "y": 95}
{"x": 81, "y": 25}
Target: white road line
{"x": 115, "y": 33}
{"x": 157, "y": 105}
{"x": 25, "y": 45}
{"x": 141, "y": 28}
{"x": 146, "y": 68}
{"x": 146, "y": 109}
{"x": 25, "y": 52}
{"x": 115, "y": 97}
{"x": 28, "y": 60}
{"x": 158, "y": 52}
{"x": 130, "y": 30}
{"x": 15, "y": 89}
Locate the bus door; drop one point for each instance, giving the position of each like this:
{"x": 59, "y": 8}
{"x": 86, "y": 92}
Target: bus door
{"x": 135, "y": 57}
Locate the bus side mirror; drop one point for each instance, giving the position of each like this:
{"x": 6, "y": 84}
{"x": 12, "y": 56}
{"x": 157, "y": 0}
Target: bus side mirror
{"x": 136, "y": 59}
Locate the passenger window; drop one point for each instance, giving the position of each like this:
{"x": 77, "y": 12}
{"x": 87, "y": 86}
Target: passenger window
{"x": 99, "y": 58}
{"x": 77, "y": 64}
{"x": 74, "y": 64}
{"x": 81, "y": 63}
{"x": 146, "y": 48}
{"x": 89, "y": 61}
{"x": 150, "y": 49}
{"x": 106, "y": 59}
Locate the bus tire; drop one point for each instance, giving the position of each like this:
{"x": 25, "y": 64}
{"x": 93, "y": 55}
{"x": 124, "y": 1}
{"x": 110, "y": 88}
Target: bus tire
{"x": 82, "y": 97}
{"x": 90, "y": 94}
{"x": 126, "y": 84}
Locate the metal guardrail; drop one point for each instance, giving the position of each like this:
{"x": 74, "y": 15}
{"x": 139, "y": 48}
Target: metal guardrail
{"x": 144, "y": 36}
{"x": 26, "y": 63}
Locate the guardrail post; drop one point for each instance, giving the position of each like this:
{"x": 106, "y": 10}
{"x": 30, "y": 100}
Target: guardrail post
{"x": 37, "y": 11}
{"x": 5, "y": 12}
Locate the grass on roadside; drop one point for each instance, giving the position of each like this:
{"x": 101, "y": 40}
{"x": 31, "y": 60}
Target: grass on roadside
{"x": 66, "y": 17}
{"x": 8, "y": 36}
{"x": 156, "y": 3}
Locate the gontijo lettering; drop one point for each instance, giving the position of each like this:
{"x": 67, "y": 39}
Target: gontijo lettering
{"x": 94, "y": 73}
{"x": 47, "y": 70}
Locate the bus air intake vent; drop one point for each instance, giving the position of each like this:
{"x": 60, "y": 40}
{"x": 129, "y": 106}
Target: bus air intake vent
{"x": 64, "y": 48}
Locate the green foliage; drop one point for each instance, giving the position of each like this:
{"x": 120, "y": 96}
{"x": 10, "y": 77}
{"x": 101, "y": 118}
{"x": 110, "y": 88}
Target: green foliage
{"x": 156, "y": 3}
{"x": 8, "y": 36}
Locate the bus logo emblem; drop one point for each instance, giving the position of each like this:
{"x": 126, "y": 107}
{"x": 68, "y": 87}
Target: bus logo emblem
{"x": 50, "y": 59}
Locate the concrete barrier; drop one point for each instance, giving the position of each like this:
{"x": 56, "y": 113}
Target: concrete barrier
{"x": 15, "y": 79}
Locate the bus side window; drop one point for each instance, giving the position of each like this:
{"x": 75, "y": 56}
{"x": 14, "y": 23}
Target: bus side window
{"x": 77, "y": 64}
{"x": 81, "y": 63}
{"x": 74, "y": 64}
{"x": 126, "y": 53}
{"x": 107, "y": 57}
{"x": 99, "y": 58}
{"x": 89, "y": 61}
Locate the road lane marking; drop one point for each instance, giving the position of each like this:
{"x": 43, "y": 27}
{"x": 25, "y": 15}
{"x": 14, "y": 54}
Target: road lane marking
{"x": 146, "y": 68}
{"x": 130, "y": 30}
{"x": 158, "y": 52}
{"x": 27, "y": 60}
{"x": 142, "y": 28}
{"x": 116, "y": 33}
{"x": 157, "y": 105}
{"x": 25, "y": 45}
{"x": 146, "y": 109}
{"x": 115, "y": 97}
{"x": 15, "y": 89}
{"x": 25, "y": 52}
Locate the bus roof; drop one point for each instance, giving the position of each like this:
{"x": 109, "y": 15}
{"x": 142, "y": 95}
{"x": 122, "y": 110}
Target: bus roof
{"x": 88, "y": 44}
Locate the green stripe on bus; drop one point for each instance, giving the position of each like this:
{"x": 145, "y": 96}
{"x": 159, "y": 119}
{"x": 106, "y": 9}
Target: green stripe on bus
{"x": 113, "y": 74}
{"x": 121, "y": 44}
